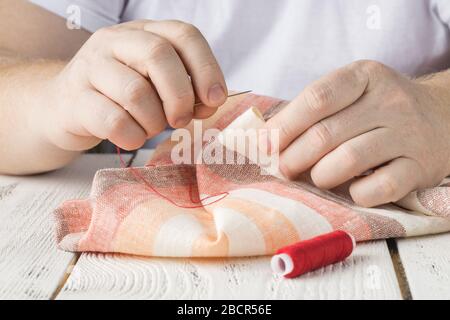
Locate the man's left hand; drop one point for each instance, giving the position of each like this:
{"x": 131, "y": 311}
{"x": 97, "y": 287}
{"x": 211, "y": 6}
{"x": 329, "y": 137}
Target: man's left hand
{"x": 365, "y": 117}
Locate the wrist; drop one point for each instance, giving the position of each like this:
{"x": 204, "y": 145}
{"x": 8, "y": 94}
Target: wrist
{"x": 25, "y": 98}
{"x": 44, "y": 97}
{"x": 437, "y": 95}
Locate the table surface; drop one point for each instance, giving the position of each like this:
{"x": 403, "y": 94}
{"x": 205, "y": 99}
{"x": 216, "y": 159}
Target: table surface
{"x": 31, "y": 267}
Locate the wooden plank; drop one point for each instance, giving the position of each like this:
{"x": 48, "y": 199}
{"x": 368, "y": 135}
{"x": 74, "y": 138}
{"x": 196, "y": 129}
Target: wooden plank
{"x": 142, "y": 157}
{"x": 368, "y": 274}
{"x": 426, "y": 261}
{"x": 31, "y": 267}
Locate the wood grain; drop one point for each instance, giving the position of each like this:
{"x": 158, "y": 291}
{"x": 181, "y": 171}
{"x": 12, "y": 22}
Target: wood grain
{"x": 31, "y": 267}
{"x": 426, "y": 261}
{"x": 368, "y": 274}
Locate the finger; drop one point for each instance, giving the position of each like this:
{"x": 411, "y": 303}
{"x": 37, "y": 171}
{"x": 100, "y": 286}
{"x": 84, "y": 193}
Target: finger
{"x": 355, "y": 157}
{"x": 204, "y": 112}
{"x": 103, "y": 118}
{"x": 388, "y": 184}
{"x": 318, "y": 101}
{"x": 195, "y": 52}
{"x": 133, "y": 92}
{"x": 326, "y": 135}
{"x": 153, "y": 56}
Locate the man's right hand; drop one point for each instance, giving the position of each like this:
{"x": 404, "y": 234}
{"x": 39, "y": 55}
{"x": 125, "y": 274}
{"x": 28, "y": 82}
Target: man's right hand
{"x": 128, "y": 82}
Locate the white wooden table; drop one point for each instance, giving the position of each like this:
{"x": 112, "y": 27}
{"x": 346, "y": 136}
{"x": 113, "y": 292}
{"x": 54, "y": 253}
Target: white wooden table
{"x": 32, "y": 268}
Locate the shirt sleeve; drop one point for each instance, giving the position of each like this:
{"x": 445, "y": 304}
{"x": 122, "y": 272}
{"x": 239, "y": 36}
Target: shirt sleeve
{"x": 93, "y": 14}
{"x": 442, "y": 9}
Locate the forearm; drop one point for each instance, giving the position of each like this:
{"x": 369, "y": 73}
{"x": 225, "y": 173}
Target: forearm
{"x": 24, "y": 120}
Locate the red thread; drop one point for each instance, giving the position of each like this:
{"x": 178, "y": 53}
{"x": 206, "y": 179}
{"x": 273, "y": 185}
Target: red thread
{"x": 305, "y": 256}
{"x": 196, "y": 203}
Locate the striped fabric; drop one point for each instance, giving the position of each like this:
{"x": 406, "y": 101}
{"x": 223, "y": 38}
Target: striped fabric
{"x": 257, "y": 215}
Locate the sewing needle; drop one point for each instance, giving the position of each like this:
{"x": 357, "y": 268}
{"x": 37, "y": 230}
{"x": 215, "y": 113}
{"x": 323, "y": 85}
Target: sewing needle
{"x": 229, "y": 96}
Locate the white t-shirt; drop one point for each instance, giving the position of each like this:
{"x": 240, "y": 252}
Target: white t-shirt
{"x": 277, "y": 47}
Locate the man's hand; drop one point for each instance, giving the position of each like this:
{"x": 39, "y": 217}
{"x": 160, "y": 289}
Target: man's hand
{"x": 128, "y": 82}
{"x": 364, "y": 117}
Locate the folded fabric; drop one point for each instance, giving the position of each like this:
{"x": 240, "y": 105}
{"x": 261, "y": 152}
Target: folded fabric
{"x": 219, "y": 210}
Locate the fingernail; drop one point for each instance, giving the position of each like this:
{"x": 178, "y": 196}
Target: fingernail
{"x": 216, "y": 94}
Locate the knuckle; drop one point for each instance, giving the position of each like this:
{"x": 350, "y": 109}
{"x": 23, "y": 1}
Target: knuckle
{"x": 361, "y": 63}
{"x": 285, "y": 127}
{"x": 186, "y": 30}
{"x": 318, "y": 97}
{"x": 286, "y": 130}
{"x": 136, "y": 90}
{"x": 350, "y": 156}
{"x": 158, "y": 50}
{"x": 209, "y": 66}
{"x": 186, "y": 96}
{"x": 402, "y": 102}
{"x": 137, "y": 22}
{"x": 103, "y": 33}
{"x": 116, "y": 122}
{"x": 321, "y": 136}
{"x": 182, "y": 99}
{"x": 98, "y": 43}
{"x": 404, "y": 99}
{"x": 388, "y": 186}
{"x": 371, "y": 66}
{"x": 76, "y": 74}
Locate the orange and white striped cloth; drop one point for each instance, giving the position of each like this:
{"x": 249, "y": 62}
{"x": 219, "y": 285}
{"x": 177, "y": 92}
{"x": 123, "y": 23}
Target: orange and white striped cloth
{"x": 258, "y": 215}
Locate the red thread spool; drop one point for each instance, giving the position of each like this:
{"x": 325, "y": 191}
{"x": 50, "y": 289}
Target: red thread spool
{"x": 305, "y": 256}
